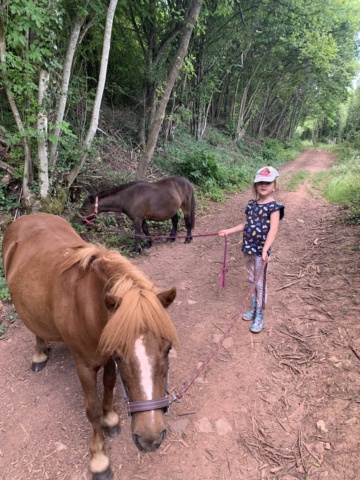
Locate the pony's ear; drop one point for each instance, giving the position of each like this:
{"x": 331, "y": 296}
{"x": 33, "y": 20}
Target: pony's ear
{"x": 166, "y": 298}
{"x": 112, "y": 302}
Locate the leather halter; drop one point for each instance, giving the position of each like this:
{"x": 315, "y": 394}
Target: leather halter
{"x": 145, "y": 405}
{"x": 90, "y": 218}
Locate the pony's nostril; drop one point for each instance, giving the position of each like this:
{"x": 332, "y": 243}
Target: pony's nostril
{"x": 149, "y": 445}
{"x": 136, "y": 439}
{"x": 162, "y": 436}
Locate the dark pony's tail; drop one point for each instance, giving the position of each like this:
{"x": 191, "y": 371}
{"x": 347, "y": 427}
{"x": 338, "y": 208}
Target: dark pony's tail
{"x": 192, "y": 209}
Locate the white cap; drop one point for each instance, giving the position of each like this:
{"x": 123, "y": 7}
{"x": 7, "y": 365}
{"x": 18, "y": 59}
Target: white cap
{"x": 266, "y": 174}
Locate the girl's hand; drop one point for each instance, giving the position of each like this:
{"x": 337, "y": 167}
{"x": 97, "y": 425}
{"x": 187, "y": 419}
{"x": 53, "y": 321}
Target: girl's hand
{"x": 265, "y": 257}
{"x": 222, "y": 233}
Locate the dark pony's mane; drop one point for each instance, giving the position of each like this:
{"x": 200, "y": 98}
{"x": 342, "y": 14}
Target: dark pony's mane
{"x": 112, "y": 190}
{"x": 140, "y": 309}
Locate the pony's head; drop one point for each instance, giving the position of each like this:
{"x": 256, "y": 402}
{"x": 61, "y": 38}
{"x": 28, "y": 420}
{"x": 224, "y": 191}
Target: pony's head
{"x": 87, "y": 209}
{"x": 141, "y": 334}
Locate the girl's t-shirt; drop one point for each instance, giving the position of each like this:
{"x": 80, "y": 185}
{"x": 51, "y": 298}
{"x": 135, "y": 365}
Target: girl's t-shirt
{"x": 257, "y": 225}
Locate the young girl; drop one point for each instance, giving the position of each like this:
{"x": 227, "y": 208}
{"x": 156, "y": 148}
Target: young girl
{"x": 260, "y": 228}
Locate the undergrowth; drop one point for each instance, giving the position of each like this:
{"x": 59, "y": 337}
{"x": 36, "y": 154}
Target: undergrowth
{"x": 340, "y": 184}
{"x": 222, "y": 167}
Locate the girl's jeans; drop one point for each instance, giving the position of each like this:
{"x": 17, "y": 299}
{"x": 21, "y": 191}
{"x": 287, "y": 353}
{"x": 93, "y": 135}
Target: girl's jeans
{"x": 253, "y": 265}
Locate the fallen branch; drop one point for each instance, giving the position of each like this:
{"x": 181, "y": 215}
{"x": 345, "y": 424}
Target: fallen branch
{"x": 288, "y": 285}
{"x": 7, "y": 167}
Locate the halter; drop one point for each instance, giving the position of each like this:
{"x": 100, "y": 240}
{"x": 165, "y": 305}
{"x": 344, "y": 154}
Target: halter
{"x": 92, "y": 217}
{"x": 145, "y": 405}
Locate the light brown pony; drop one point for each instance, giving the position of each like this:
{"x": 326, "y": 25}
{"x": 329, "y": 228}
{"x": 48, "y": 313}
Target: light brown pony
{"x": 98, "y": 304}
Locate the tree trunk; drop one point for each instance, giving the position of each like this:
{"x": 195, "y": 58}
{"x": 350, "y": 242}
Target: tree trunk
{"x": 69, "y": 58}
{"x": 99, "y": 94}
{"x": 172, "y": 77}
{"x": 27, "y": 164}
{"x": 42, "y": 126}
{"x": 245, "y": 106}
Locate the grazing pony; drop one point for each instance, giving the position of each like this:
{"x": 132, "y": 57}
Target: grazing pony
{"x": 105, "y": 310}
{"x": 142, "y": 201}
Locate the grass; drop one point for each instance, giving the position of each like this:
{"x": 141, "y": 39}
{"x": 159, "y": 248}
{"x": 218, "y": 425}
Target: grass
{"x": 296, "y": 180}
{"x": 340, "y": 184}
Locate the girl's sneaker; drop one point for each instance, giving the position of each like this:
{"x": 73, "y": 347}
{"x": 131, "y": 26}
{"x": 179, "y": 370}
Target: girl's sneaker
{"x": 258, "y": 324}
{"x": 250, "y": 315}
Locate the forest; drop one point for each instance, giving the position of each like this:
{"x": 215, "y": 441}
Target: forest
{"x": 82, "y": 78}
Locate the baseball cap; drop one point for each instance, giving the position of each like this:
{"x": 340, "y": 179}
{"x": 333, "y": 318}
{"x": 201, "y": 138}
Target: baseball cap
{"x": 266, "y": 174}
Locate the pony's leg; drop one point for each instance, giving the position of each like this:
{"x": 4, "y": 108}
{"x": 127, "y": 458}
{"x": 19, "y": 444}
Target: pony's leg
{"x": 110, "y": 421}
{"x": 99, "y": 463}
{"x": 147, "y": 233}
{"x": 137, "y": 225}
{"x": 188, "y": 224}
{"x": 174, "y": 221}
{"x": 41, "y": 355}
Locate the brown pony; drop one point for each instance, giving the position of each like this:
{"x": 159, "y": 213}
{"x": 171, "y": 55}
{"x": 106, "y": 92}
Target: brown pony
{"x": 100, "y": 305}
{"x": 142, "y": 201}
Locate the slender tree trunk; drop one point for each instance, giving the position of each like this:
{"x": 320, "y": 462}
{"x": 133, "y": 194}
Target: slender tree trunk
{"x": 68, "y": 62}
{"x": 42, "y": 126}
{"x": 274, "y": 132}
{"x": 99, "y": 94}
{"x": 246, "y": 106}
{"x": 27, "y": 164}
{"x": 172, "y": 77}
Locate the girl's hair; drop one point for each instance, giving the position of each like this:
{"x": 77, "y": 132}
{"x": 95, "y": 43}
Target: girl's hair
{"x": 255, "y": 192}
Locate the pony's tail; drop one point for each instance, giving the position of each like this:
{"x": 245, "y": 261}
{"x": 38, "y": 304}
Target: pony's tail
{"x": 192, "y": 209}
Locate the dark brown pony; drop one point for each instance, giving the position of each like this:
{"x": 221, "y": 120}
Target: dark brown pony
{"x": 100, "y": 305}
{"x": 142, "y": 201}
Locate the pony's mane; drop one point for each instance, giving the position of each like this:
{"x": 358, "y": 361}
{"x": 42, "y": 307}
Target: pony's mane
{"x": 113, "y": 190}
{"x": 116, "y": 268}
{"x": 140, "y": 309}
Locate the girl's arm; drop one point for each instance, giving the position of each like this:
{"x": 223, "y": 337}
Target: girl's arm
{"x": 274, "y": 227}
{"x": 238, "y": 228}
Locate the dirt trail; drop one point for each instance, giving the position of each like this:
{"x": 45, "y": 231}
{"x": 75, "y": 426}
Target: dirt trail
{"x": 281, "y": 405}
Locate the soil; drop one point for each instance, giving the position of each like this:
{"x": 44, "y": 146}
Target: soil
{"x": 283, "y": 404}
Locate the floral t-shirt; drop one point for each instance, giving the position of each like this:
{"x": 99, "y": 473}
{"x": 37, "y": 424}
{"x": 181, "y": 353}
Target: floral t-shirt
{"x": 257, "y": 225}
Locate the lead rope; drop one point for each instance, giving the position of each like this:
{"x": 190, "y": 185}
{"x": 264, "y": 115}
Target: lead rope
{"x": 179, "y": 395}
{"x": 224, "y": 269}
{"x": 92, "y": 217}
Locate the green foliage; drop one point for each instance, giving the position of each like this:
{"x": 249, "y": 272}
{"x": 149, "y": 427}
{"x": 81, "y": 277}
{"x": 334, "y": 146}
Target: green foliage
{"x": 272, "y": 151}
{"x": 8, "y": 201}
{"x": 4, "y": 292}
{"x": 340, "y": 184}
{"x": 201, "y": 168}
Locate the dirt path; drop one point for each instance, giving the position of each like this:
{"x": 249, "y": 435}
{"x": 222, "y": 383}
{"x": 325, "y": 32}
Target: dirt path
{"x": 283, "y": 404}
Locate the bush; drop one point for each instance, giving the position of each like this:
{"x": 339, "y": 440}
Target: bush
{"x": 201, "y": 168}
{"x": 272, "y": 151}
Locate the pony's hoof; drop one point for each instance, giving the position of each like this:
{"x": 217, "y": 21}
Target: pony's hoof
{"x": 112, "y": 432}
{"x": 107, "y": 475}
{"x": 188, "y": 240}
{"x": 170, "y": 240}
{"x": 36, "y": 367}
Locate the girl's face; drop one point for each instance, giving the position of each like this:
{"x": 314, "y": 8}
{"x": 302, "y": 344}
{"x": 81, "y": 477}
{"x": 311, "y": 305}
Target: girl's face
{"x": 265, "y": 189}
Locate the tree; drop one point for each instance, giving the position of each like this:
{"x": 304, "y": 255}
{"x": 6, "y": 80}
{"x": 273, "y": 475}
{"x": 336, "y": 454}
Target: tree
{"x": 172, "y": 77}
{"x": 99, "y": 94}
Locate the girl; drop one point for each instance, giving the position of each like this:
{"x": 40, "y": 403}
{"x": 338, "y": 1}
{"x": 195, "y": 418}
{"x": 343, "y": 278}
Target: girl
{"x": 261, "y": 225}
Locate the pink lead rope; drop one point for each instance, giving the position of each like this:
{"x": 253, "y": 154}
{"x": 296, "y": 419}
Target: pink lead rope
{"x": 186, "y": 385}
{"x": 224, "y": 269}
